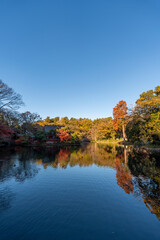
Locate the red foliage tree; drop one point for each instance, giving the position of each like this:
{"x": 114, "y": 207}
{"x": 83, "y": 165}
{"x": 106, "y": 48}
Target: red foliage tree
{"x": 119, "y": 114}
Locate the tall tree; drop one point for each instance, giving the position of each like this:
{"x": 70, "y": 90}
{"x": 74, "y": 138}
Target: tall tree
{"x": 119, "y": 115}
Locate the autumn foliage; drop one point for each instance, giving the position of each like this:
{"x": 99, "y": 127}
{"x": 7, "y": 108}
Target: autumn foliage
{"x": 140, "y": 125}
{"x": 64, "y": 135}
{"x": 119, "y": 113}
{"x": 5, "y": 131}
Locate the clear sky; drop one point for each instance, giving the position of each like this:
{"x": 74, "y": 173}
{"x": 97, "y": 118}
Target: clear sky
{"x": 78, "y": 58}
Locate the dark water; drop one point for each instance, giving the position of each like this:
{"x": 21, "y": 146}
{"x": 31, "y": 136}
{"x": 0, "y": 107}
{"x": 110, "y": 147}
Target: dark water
{"x": 92, "y": 192}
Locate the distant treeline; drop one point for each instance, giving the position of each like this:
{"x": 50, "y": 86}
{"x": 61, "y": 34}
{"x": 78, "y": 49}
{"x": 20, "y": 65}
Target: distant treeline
{"x": 140, "y": 125}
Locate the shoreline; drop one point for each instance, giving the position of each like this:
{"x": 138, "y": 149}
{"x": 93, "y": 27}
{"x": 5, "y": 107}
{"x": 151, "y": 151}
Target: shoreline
{"x": 118, "y": 143}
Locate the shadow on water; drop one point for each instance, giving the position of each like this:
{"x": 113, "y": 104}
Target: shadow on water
{"x": 137, "y": 172}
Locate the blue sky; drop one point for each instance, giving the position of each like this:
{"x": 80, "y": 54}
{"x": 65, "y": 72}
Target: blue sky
{"x": 78, "y": 58}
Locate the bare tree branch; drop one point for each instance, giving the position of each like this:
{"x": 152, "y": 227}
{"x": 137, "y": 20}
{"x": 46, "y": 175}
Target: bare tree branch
{"x": 9, "y": 99}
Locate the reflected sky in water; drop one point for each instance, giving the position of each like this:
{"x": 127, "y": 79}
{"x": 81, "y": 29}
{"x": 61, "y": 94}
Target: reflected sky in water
{"x": 88, "y": 192}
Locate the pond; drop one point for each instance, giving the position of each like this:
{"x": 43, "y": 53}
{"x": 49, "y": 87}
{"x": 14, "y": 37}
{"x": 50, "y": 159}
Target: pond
{"x": 90, "y": 192}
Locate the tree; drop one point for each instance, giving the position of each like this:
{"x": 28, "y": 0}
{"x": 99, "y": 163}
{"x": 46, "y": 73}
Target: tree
{"x": 64, "y": 135}
{"x": 5, "y": 130}
{"x": 28, "y": 120}
{"x": 40, "y": 136}
{"x": 144, "y": 123}
{"x": 10, "y": 118}
{"x": 148, "y": 102}
{"x": 9, "y": 99}
{"x": 157, "y": 91}
{"x": 119, "y": 116}
{"x": 5, "y": 133}
{"x": 104, "y": 129}
{"x": 64, "y": 120}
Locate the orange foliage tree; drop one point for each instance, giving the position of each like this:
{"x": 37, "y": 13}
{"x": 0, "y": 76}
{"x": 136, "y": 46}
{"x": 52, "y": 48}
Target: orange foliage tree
{"x": 119, "y": 114}
{"x": 64, "y": 135}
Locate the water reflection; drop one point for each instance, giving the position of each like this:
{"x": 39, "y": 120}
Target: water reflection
{"x": 17, "y": 164}
{"x": 124, "y": 178}
{"x": 137, "y": 172}
{"x": 145, "y": 167}
{"x": 101, "y": 155}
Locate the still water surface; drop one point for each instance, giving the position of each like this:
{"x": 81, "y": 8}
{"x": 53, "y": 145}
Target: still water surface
{"x": 90, "y": 192}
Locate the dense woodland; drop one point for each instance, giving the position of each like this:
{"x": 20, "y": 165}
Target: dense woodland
{"x": 140, "y": 125}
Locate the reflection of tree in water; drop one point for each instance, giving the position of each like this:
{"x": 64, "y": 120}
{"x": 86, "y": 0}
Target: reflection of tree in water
{"x": 124, "y": 178}
{"x": 50, "y": 156}
{"x": 6, "y": 196}
{"x": 81, "y": 157}
{"x": 46, "y": 157}
{"x": 105, "y": 155}
{"x": 62, "y": 158}
{"x": 17, "y": 165}
{"x": 136, "y": 172}
{"x": 101, "y": 155}
{"x": 146, "y": 169}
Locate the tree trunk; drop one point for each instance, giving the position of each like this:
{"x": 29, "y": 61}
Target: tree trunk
{"x": 124, "y": 134}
